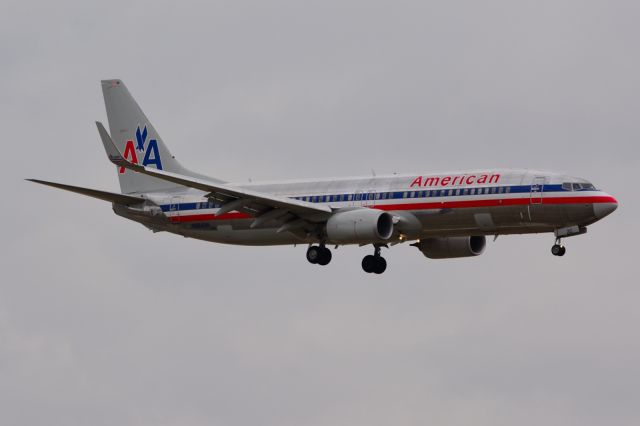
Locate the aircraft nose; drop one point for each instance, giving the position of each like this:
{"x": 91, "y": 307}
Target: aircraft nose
{"x": 603, "y": 209}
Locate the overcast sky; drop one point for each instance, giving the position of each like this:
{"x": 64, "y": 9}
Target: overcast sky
{"x": 103, "y": 322}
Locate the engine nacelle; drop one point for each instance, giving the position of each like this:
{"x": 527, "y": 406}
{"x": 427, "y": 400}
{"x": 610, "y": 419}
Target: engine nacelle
{"x": 360, "y": 226}
{"x": 450, "y": 247}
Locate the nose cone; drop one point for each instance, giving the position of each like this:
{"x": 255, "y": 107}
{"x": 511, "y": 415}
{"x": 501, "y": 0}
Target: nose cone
{"x": 603, "y": 209}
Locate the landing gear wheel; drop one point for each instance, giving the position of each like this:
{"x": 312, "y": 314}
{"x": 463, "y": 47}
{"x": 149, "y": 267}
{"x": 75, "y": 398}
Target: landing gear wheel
{"x": 374, "y": 264}
{"x": 314, "y": 254}
{"x": 325, "y": 256}
{"x": 369, "y": 263}
{"x": 319, "y": 255}
{"x": 558, "y": 250}
{"x": 381, "y": 265}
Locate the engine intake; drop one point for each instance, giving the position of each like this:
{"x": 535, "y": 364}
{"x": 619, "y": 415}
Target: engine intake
{"x": 360, "y": 226}
{"x": 451, "y": 247}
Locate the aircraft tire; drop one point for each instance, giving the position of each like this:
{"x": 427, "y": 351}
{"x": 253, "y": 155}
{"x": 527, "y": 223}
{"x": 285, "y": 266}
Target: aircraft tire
{"x": 380, "y": 265}
{"x": 314, "y": 254}
{"x": 563, "y": 250}
{"x": 556, "y": 250}
{"x": 369, "y": 263}
{"x": 325, "y": 256}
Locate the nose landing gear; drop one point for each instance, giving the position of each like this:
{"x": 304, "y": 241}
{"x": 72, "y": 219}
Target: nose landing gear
{"x": 375, "y": 263}
{"x": 558, "y": 249}
{"x": 319, "y": 255}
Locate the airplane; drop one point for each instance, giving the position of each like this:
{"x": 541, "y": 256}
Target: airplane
{"x": 443, "y": 215}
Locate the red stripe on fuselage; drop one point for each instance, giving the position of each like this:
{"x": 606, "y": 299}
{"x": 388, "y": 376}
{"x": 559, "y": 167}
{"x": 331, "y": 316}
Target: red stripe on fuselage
{"x": 426, "y": 206}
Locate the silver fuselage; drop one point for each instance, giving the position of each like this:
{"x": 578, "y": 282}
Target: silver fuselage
{"x": 433, "y": 205}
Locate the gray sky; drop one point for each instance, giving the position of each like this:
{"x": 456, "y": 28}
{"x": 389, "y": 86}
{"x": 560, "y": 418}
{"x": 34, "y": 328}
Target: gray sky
{"x": 102, "y": 322}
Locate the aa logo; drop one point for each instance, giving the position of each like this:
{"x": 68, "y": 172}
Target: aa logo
{"x": 150, "y": 150}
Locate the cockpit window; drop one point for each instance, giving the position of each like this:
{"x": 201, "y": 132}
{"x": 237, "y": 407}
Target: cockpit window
{"x": 578, "y": 186}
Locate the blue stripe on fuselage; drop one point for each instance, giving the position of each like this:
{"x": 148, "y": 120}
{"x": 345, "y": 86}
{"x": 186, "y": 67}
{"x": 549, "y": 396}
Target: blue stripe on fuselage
{"x": 386, "y": 195}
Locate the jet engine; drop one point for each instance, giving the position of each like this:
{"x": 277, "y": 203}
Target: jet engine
{"x": 360, "y": 226}
{"x": 450, "y": 247}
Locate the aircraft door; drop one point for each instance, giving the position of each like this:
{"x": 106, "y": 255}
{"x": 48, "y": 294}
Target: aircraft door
{"x": 537, "y": 190}
{"x": 535, "y": 207}
{"x": 174, "y": 206}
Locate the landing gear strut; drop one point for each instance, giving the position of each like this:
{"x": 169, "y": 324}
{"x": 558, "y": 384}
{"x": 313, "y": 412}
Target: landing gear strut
{"x": 319, "y": 255}
{"x": 558, "y": 249}
{"x": 374, "y": 263}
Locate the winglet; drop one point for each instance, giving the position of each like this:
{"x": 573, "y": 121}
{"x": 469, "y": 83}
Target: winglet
{"x": 112, "y": 151}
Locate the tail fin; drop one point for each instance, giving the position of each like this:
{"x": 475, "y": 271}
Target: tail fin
{"x": 138, "y": 140}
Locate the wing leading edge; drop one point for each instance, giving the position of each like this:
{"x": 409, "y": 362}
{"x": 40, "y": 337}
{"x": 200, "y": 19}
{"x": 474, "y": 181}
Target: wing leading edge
{"x": 257, "y": 204}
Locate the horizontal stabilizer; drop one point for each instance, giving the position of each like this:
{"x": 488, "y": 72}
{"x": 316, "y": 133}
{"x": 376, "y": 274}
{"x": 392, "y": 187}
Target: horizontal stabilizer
{"x": 101, "y": 195}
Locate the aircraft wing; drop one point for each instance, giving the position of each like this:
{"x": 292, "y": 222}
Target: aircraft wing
{"x": 127, "y": 200}
{"x": 232, "y": 198}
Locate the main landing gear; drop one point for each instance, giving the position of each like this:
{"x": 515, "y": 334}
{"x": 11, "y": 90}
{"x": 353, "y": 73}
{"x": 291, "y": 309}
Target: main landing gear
{"x": 558, "y": 249}
{"x": 319, "y": 255}
{"x": 374, "y": 263}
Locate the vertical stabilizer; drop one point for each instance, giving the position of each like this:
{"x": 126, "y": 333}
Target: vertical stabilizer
{"x": 138, "y": 140}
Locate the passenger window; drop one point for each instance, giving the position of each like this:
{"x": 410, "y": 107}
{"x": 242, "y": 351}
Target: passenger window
{"x": 493, "y": 190}
{"x": 404, "y": 195}
{"x": 465, "y": 191}
{"x": 500, "y": 190}
{"x": 472, "y": 191}
{"x": 450, "y": 192}
{"x": 507, "y": 189}
{"x": 457, "y": 192}
{"x": 413, "y": 194}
